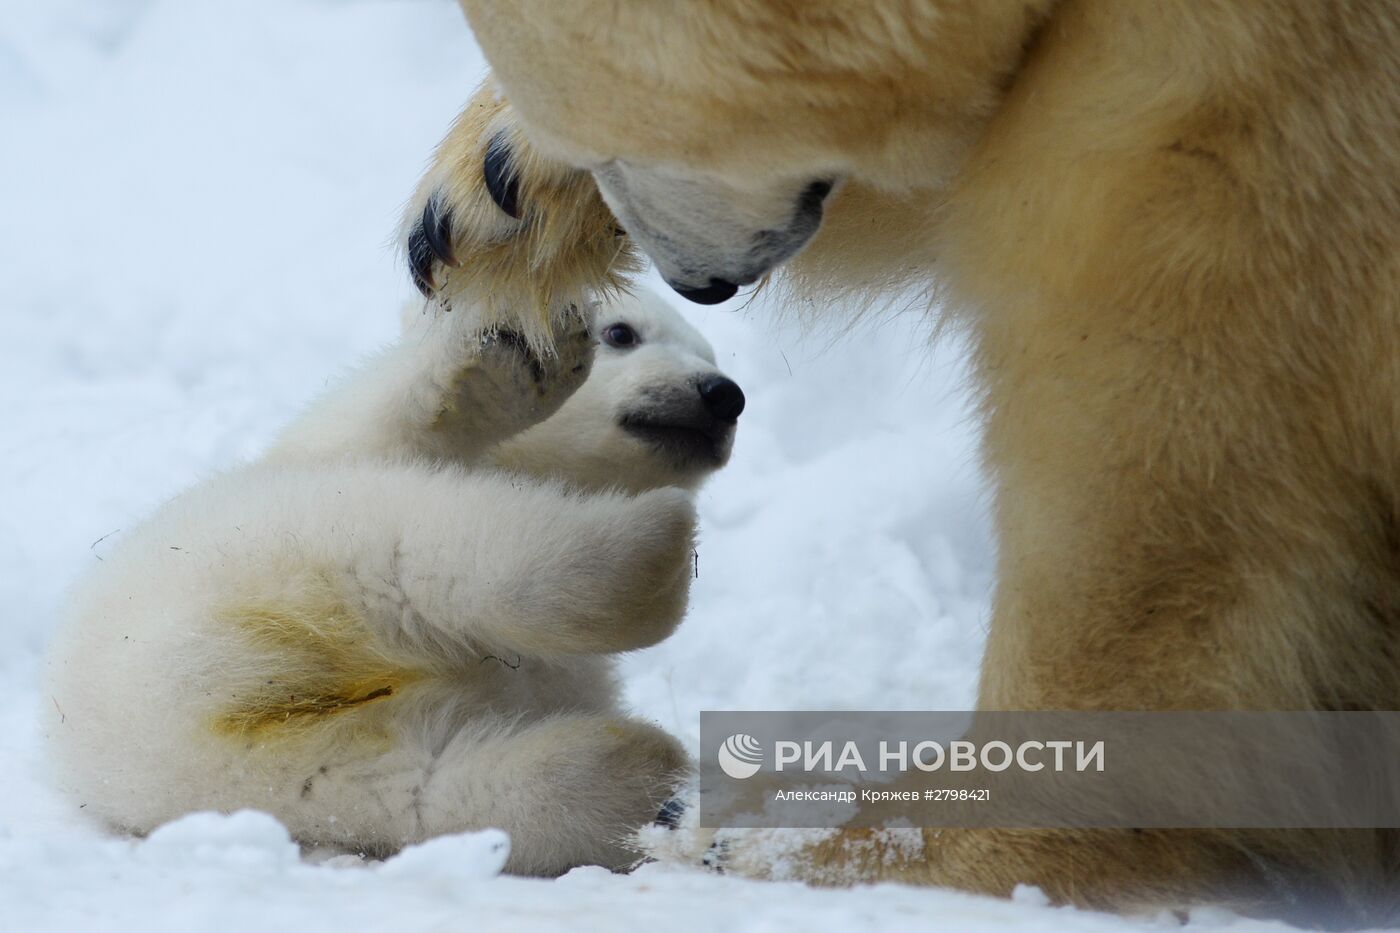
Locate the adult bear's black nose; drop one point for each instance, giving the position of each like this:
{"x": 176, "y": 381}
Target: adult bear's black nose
{"x": 722, "y": 397}
{"x": 718, "y": 290}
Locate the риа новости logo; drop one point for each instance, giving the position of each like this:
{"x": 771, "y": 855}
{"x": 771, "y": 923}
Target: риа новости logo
{"x": 740, "y": 756}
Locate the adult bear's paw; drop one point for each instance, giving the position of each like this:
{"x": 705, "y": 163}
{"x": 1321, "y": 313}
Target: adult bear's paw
{"x": 828, "y": 857}
{"x": 774, "y": 854}
{"x": 494, "y": 221}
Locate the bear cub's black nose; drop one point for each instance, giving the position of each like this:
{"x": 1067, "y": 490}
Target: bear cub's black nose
{"x": 722, "y": 397}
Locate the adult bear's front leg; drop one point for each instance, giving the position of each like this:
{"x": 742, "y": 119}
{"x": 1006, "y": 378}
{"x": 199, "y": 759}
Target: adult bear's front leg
{"x": 494, "y": 220}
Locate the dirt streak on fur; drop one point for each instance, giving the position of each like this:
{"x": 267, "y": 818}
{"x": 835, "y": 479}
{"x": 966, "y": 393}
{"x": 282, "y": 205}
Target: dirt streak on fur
{"x": 328, "y": 665}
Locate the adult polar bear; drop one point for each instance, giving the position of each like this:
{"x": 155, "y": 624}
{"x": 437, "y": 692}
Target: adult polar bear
{"x": 1172, "y": 231}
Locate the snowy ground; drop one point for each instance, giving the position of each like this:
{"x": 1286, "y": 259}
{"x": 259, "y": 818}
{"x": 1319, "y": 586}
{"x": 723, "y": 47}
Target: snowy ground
{"x": 198, "y": 199}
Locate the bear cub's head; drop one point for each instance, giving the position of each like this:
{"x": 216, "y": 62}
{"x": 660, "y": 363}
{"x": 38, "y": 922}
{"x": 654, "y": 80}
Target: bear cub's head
{"x": 655, "y": 411}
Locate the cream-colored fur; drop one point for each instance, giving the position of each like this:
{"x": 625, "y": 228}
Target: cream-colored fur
{"x": 377, "y": 637}
{"x": 1172, "y": 233}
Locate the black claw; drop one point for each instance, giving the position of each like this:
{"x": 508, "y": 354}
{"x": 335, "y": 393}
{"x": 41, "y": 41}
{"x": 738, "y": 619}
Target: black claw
{"x": 670, "y": 815}
{"x": 713, "y": 859}
{"x": 522, "y": 346}
{"x": 501, "y": 180}
{"x": 430, "y": 241}
{"x": 420, "y": 261}
{"x": 513, "y": 338}
{"x": 437, "y": 230}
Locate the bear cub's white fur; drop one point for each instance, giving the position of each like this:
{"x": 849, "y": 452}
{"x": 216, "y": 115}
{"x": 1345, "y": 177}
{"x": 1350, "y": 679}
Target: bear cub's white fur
{"x": 400, "y": 622}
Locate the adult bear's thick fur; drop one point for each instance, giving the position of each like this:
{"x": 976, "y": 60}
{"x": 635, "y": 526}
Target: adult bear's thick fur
{"x": 1172, "y": 231}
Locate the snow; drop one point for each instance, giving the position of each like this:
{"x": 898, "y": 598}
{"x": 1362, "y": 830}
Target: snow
{"x": 200, "y": 198}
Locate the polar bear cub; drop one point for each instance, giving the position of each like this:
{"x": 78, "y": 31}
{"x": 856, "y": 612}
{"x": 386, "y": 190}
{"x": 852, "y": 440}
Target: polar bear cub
{"x": 400, "y": 622}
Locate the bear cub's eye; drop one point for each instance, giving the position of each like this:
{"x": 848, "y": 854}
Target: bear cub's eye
{"x": 621, "y": 336}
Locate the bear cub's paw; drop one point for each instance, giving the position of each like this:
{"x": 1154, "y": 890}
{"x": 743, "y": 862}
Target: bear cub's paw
{"x": 505, "y": 382}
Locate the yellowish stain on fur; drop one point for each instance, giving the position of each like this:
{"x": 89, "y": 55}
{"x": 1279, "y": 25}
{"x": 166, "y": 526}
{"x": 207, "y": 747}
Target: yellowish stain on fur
{"x": 324, "y": 663}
